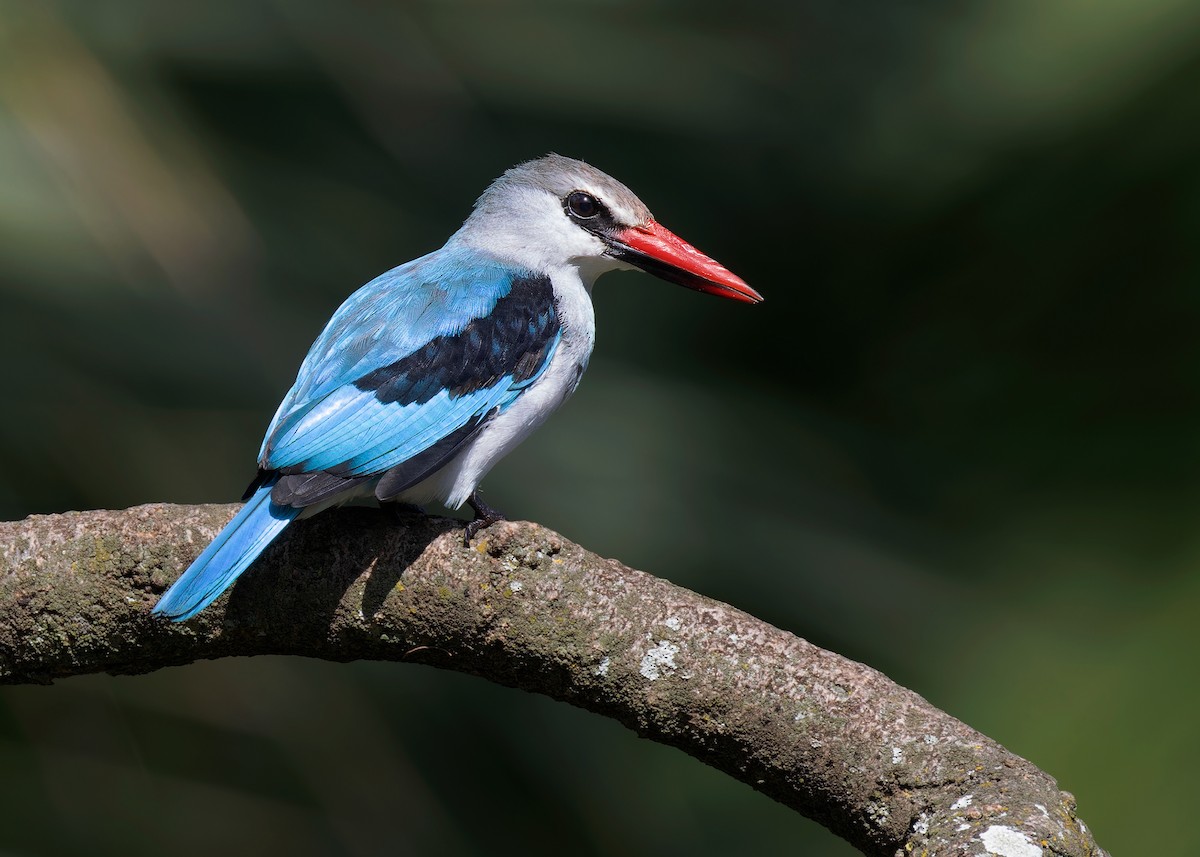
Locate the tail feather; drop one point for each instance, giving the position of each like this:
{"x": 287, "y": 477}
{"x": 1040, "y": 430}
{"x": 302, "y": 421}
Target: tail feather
{"x": 229, "y": 554}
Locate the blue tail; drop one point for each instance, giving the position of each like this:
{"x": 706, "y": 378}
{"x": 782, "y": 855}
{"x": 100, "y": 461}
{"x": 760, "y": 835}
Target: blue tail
{"x": 231, "y": 552}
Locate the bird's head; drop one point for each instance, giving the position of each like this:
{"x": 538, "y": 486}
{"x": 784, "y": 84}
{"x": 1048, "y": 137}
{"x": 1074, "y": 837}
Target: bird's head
{"x": 557, "y": 211}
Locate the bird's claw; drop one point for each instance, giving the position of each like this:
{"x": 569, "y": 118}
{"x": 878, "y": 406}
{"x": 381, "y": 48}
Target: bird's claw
{"x": 485, "y": 516}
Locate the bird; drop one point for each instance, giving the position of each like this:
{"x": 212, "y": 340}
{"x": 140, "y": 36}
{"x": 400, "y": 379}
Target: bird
{"x": 429, "y": 374}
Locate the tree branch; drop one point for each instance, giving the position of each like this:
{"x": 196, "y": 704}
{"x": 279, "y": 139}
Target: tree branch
{"x": 831, "y": 738}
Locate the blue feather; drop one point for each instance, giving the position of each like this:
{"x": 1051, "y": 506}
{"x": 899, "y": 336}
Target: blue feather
{"x": 229, "y": 554}
{"x": 410, "y": 394}
{"x": 394, "y": 315}
{"x": 405, "y": 373}
{"x": 418, "y": 384}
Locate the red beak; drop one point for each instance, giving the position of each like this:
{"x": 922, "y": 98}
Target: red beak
{"x": 660, "y": 252}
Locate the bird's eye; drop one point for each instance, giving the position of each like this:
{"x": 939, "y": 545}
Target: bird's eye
{"x": 583, "y": 205}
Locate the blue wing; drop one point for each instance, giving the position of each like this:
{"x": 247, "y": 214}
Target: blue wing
{"x": 406, "y": 372}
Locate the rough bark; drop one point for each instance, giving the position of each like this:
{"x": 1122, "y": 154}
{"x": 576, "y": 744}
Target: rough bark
{"x": 831, "y": 738}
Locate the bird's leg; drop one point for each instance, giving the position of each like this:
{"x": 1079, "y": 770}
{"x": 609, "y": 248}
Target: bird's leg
{"x": 485, "y": 516}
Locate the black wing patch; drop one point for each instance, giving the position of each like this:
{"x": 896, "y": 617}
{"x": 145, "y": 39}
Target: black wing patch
{"x": 515, "y": 339}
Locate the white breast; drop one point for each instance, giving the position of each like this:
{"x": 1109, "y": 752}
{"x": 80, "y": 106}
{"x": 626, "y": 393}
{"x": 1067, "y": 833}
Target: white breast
{"x": 453, "y": 484}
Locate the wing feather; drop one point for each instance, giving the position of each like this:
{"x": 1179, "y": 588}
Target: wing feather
{"x": 398, "y": 386}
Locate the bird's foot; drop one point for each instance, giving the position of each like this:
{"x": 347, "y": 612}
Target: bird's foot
{"x": 485, "y": 516}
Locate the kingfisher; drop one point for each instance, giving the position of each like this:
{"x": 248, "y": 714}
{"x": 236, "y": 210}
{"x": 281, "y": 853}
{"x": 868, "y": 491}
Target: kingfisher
{"x": 432, "y": 372}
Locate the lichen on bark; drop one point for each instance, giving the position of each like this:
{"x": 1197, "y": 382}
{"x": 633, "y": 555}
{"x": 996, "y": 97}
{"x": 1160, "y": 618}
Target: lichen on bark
{"x": 522, "y": 606}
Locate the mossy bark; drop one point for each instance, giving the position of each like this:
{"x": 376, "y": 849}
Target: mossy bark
{"x": 833, "y": 739}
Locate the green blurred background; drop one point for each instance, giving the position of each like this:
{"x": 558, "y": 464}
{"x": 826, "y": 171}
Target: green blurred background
{"x": 960, "y": 441}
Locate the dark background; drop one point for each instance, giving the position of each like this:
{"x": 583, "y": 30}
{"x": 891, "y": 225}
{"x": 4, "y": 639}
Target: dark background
{"x": 960, "y": 441}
